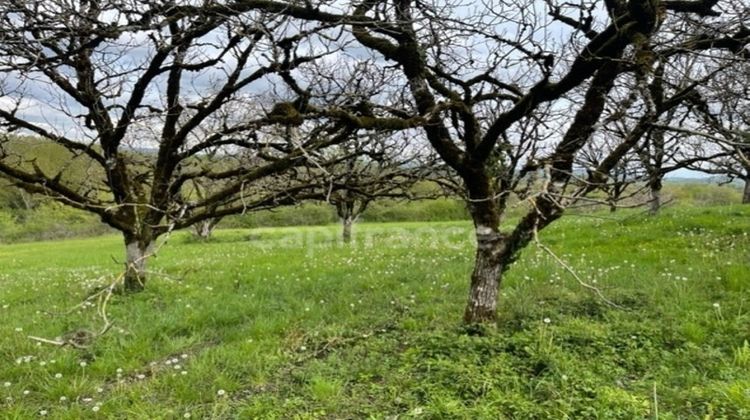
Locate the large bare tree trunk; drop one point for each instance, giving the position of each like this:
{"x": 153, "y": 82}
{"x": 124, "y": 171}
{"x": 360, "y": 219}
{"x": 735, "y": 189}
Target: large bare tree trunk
{"x": 346, "y": 234}
{"x": 137, "y": 252}
{"x": 654, "y": 204}
{"x": 485, "y": 279}
{"x": 746, "y": 193}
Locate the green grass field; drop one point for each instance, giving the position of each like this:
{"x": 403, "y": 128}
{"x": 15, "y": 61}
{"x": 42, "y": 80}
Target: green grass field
{"x": 290, "y": 323}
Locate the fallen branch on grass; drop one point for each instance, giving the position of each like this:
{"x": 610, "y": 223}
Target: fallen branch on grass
{"x": 83, "y": 338}
{"x": 572, "y": 272}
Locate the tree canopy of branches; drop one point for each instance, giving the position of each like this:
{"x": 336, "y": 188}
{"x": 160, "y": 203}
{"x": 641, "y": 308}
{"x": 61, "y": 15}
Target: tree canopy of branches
{"x": 492, "y": 86}
{"x": 724, "y": 120}
{"x": 621, "y": 179}
{"x": 376, "y": 166}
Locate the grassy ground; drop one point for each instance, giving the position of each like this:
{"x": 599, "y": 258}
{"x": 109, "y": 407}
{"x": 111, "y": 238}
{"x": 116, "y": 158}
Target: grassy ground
{"x": 289, "y": 323}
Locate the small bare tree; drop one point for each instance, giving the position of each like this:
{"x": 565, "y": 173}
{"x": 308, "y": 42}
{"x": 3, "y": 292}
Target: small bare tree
{"x": 622, "y": 180}
{"x": 724, "y": 120}
{"x": 375, "y": 166}
{"x": 663, "y": 149}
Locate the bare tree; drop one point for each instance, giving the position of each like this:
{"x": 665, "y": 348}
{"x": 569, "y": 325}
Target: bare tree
{"x": 622, "y": 180}
{"x": 375, "y": 166}
{"x": 150, "y": 100}
{"x": 472, "y": 77}
{"x": 723, "y": 118}
{"x": 203, "y": 229}
{"x": 662, "y": 149}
